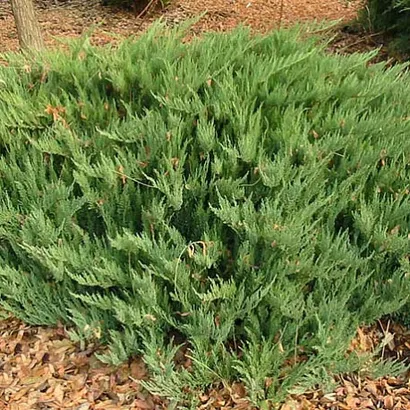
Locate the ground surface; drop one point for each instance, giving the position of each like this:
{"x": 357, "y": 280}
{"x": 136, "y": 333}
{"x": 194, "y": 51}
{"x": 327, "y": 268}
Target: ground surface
{"x": 41, "y": 369}
{"x": 69, "y": 18}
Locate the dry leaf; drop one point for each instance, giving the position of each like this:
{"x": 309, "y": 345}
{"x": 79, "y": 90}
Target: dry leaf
{"x": 142, "y": 405}
{"x": 388, "y": 402}
{"x": 59, "y": 394}
{"x": 122, "y": 175}
{"x": 292, "y": 405}
{"x": 191, "y": 251}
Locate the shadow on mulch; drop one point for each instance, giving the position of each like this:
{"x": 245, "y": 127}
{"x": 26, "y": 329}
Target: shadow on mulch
{"x": 350, "y": 38}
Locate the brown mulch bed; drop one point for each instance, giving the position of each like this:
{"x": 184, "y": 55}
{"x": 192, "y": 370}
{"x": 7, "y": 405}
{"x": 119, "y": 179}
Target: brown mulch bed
{"x": 355, "y": 394}
{"x": 40, "y": 368}
{"x": 363, "y": 393}
{"x": 62, "y": 19}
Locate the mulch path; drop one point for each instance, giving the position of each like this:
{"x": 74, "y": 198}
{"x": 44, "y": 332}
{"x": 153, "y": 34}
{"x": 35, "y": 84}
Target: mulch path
{"x": 62, "y": 19}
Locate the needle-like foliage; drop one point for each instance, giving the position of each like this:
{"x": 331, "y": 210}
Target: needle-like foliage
{"x": 245, "y": 195}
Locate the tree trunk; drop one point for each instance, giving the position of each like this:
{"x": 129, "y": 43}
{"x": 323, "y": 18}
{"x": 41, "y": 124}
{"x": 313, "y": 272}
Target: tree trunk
{"x": 28, "y": 28}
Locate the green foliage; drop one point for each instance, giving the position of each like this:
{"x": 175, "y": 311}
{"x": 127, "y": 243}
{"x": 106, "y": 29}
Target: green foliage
{"x": 391, "y": 17}
{"x": 244, "y": 195}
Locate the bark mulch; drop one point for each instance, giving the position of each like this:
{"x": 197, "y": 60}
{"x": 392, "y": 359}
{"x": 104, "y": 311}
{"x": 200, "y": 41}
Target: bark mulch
{"x": 40, "y": 368}
{"x": 363, "y": 393}
{"x": 62, "y": 19}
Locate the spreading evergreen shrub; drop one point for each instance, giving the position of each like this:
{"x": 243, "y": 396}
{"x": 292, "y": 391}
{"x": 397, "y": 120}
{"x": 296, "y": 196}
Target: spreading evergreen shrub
{"x": 245, "y": 195}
